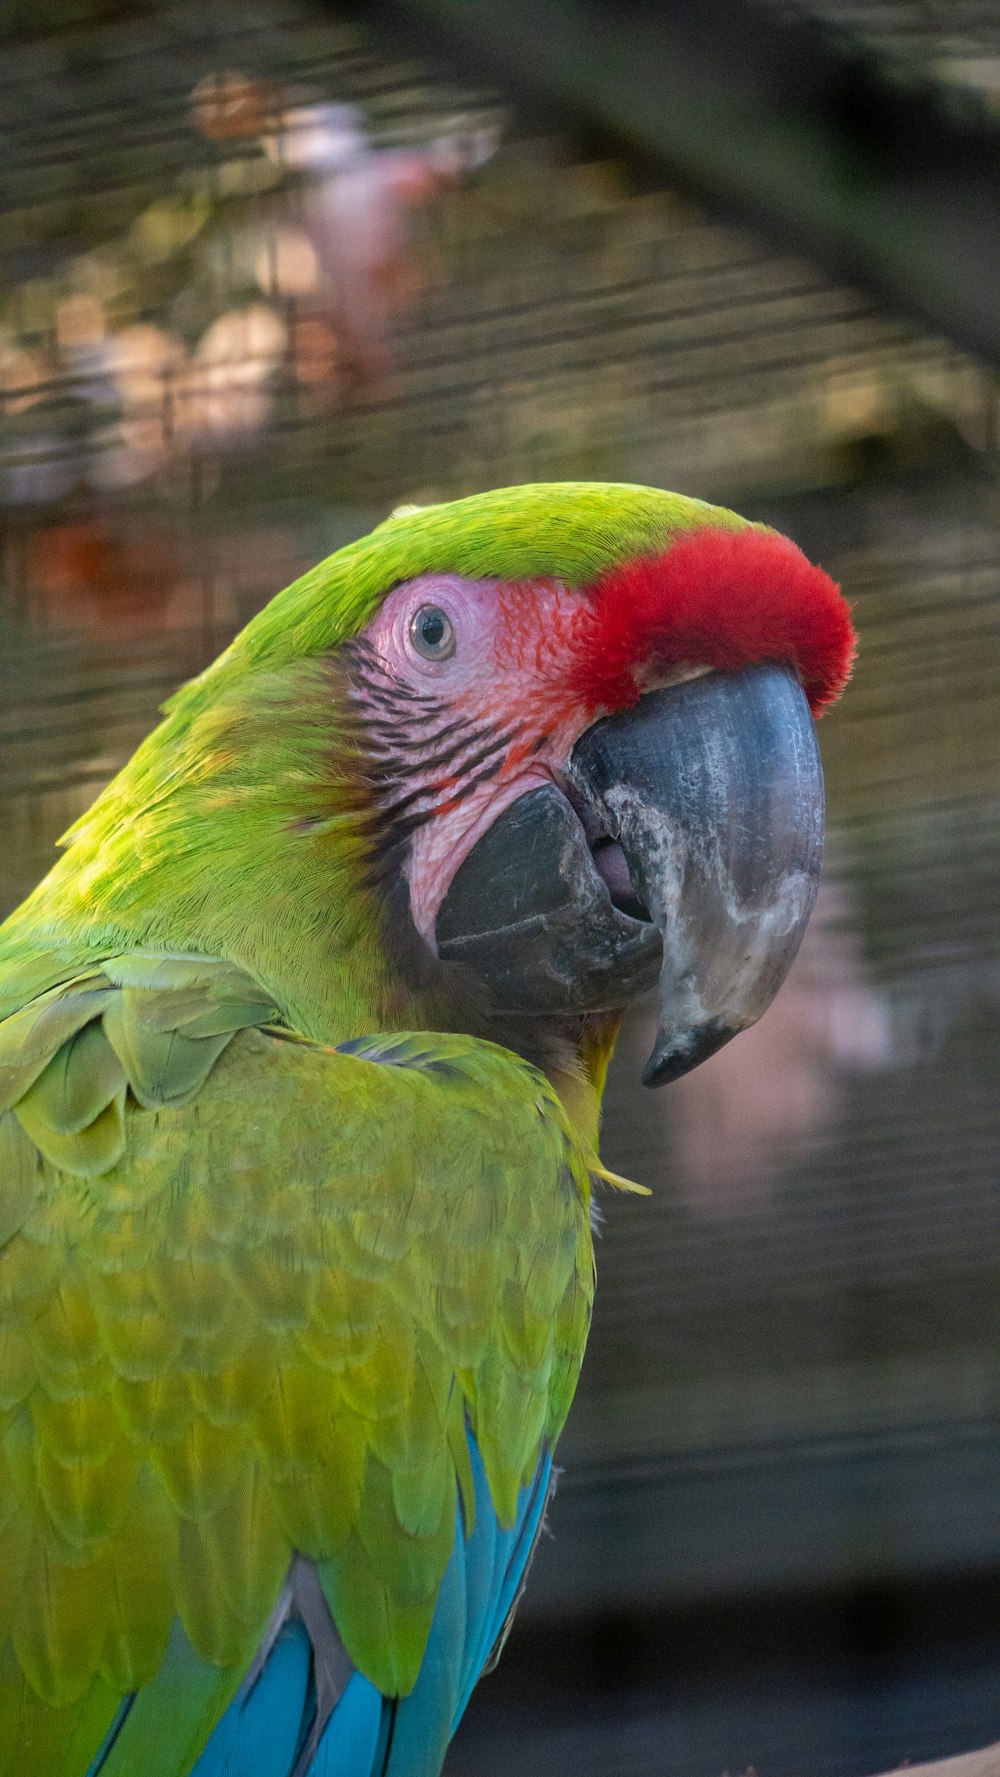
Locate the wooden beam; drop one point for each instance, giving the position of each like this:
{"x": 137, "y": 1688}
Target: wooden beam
{"x": 773, "y": 119}
{"x": 985, "y": 1763}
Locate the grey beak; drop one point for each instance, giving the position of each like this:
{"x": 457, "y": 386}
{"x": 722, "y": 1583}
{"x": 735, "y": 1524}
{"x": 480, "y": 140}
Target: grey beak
{"x": 714, "y": 791}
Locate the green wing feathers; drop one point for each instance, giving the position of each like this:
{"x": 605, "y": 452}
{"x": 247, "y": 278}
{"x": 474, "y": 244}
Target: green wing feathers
{"x": 250, "y": 1290}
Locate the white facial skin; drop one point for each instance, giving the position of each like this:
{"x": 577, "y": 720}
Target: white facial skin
{"x": 494, "y": 703}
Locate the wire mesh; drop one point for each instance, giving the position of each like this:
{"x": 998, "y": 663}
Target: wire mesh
{"x": 263, "y": 279}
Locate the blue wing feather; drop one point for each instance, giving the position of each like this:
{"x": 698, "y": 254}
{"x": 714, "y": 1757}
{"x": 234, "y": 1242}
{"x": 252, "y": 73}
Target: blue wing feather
{"x": 530, "y": 1514}
{"x": 424, "y": 1719}
{"x": 507, "y": 1574}
{"x": 369, "y": 1735}
{"x": 478, "y": 1589}
{"x": 479, "y": 1558}
{"x": 354, "y": 1739}
{"x": 264, "y": 1726}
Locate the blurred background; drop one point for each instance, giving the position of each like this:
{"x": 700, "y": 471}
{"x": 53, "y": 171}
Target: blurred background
{"x": 269, "y": 268}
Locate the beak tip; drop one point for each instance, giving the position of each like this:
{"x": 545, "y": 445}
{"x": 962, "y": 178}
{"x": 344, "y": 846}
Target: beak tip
{"x": 676, "y": 1053}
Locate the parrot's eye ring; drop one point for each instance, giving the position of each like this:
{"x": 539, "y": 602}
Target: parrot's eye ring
{"x": 433, "y": 633}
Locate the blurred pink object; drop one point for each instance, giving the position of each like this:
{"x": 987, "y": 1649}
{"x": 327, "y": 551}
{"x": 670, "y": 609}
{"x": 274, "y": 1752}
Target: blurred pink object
{"x": 355, "y": 214}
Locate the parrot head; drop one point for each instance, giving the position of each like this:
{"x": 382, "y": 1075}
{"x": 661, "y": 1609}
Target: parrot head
{"x": 498, "y": 767}
{"x": 585, "y": 788}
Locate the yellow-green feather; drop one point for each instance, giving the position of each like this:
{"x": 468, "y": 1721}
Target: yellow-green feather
{"x": 260, "y": 1328}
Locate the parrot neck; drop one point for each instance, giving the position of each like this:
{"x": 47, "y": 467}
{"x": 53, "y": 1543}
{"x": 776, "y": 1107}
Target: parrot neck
{"x": 240, "y": 829}
{"x": 237, "y": 830}
{"x": 579, "y": 1079}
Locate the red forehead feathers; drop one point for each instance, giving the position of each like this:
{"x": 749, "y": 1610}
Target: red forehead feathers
{"x": 724, "y": 599}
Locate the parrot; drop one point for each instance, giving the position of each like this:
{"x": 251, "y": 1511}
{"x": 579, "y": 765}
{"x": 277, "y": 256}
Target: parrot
{"x": 302, "y": 1046}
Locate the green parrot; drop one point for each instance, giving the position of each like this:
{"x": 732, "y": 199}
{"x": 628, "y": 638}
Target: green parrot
{"x": 302, "y": 1042}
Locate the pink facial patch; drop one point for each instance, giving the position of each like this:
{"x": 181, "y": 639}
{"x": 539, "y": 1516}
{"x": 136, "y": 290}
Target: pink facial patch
{"x": 456, "y": 739}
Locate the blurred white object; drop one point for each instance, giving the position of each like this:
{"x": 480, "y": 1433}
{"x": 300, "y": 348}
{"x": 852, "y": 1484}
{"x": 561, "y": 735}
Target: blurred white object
{"x": 169, "y": 399}
{"x": 226, "y": 391}
{"x": 286, "y": 263}
{"x": 318, "y": 137}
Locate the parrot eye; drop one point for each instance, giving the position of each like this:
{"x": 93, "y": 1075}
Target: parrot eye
{"x": 432, "y": 633}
